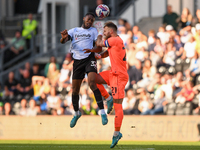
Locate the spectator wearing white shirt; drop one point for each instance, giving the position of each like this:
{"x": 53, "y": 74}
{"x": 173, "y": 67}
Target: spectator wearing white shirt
{"x": 189, "y": 48}
{"x": 128, "y": 102}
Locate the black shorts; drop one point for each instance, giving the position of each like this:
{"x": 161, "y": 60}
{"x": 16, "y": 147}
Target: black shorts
{"x": 86, "y": 65}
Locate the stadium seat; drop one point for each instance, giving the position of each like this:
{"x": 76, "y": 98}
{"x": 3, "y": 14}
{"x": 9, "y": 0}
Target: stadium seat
{"x": 171, "y": 108}
{"x": 196, "y": 99}
{"x": 172, "y": 70}
{"x": 197, "y": 80}
{"x": 188, "y": 108}
{"x": 186, "y": 64}
{"x": 179, "y": 109}
{"x": 162, "y": 70}
{"x": 179, "y": 65}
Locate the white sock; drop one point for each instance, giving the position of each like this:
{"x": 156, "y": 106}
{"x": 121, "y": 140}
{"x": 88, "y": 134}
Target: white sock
{"x": 102, "y": 111}
{"x": 77, "y": 113}
{"x": 109, "y": 98}
{"x": 116, "y": 133}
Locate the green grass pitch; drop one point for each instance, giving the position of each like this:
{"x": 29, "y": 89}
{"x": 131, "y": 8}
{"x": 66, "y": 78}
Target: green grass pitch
{"x": 95, "y": 145}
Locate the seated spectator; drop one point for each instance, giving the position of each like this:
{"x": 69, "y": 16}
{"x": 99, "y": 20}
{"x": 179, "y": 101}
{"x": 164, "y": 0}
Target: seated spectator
{"x": 129, "y": 102}
{"x": 162, "y": 35}
{"x": 189, "y": 48}
{"x": 130, "y": 54}
{"x": 159, "y": 48}
{"x": 1, "y": 108}
{"x": 45, "y": 89}
{"x": 10, "y": 86}
{"x": 141, "y": 54}
{"x": 135, "y": 30}
{"x": 194, "y": 68}
{"x": 54, "y": 103}
{"x": 23, "y": 109}
{"x": 35, "y": 70}
{"x": 149, "y": 72}
{"x": 166, "y": 87}
{"x": 142, "y": 41}
{"x": 52, "y": 60}
{"x": 87, "y": 109}
{"x": 127, "y": 25}
{"x": 144, "y": 104}
{"x": 154, "y": 86}
{"x": 177, "y": 83}
{"x": 135, "y": 73}
{"x": 27, "y": 66}
{"x": 120, "y": 23}
{"x": 157, "y": 106}
{"x": 19, "y": 45}
{"x": 53, "y": 74}
{"x": 185, "y": 34}
{"x": 196, "y": 19}
{"x": 197, "y": 38}
{"x": 67, "y": 103}
{"x": 153, "y": 44}
{"x": 186, "y": 94}
{"x": 37, "y": 82}
{"x": 179, "y": 46}
{"x": 123, "y": 35}
{"x": 25, "y": 86}
{"x": 43, "y": 105}
{"x": 32, "y": 110}
{"x": 185, "y": 19}
{"x": 68, "y": 57}
{"x": 65, "y": 74}
{"x": 8, "y": 109}
{"x": 151, "y": 35}
{"x": 169, "y": 57}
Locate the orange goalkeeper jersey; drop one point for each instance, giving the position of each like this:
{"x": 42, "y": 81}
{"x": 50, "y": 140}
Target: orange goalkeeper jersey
{"x": 117, "y": 54}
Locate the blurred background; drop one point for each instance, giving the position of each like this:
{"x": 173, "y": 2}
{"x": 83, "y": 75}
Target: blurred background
{"x": 162, "y": 39}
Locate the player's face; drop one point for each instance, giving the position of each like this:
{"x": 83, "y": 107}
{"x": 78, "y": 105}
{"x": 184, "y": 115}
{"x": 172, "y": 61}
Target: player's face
{"x": 88, "y": 21}
{"x": 107, "y": 32}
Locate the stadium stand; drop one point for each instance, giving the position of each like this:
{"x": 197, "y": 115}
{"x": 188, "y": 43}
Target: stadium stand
{"x": 147, "y": 80}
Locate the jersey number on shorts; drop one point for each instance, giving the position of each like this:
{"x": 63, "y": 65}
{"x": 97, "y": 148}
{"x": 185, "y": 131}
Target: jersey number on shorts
{"x": 114, "y": 90}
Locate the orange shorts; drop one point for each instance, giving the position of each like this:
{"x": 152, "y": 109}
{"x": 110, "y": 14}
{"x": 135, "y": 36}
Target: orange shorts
{"x": 117, "y": 83}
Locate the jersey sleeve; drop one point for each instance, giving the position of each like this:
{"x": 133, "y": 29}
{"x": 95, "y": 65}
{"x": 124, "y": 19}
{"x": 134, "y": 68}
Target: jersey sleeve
{"x": 109, "y": 42}
{"x": 71, "y": 32}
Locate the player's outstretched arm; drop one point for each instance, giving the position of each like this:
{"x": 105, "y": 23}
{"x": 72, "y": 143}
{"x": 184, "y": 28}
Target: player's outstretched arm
{"x": 64, "y": 36}
{"x": 96, "y": 50}
{"x": 99, "y": 41}
{"x": 104, "y": 54}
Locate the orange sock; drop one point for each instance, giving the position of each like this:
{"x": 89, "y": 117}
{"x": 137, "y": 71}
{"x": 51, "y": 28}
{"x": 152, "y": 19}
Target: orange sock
{"x": 103, "y": 91}
{"x": 118, "y": 116}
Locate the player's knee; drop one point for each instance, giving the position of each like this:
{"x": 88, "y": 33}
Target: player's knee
{"x": 92, "y": 85}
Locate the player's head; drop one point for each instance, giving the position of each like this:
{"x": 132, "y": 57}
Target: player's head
{"x": 109, "y": 29}
{"x": 88, "y": 20}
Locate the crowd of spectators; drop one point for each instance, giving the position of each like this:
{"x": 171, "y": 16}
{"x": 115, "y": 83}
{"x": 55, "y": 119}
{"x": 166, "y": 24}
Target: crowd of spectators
{"x": 163, "y": 68}
{"x": 21, "y": 41}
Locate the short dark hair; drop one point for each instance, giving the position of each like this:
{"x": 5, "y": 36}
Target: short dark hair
{"x": 90, "y": 13}
{"x": 111, "y": 25}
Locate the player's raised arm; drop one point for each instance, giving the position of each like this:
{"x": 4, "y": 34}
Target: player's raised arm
{"x": 99, "y": 41}
{"x": 64, "y": 36}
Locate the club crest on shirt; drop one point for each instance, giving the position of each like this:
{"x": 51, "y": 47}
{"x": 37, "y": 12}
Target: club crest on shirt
{"x": 93, "y": 63}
